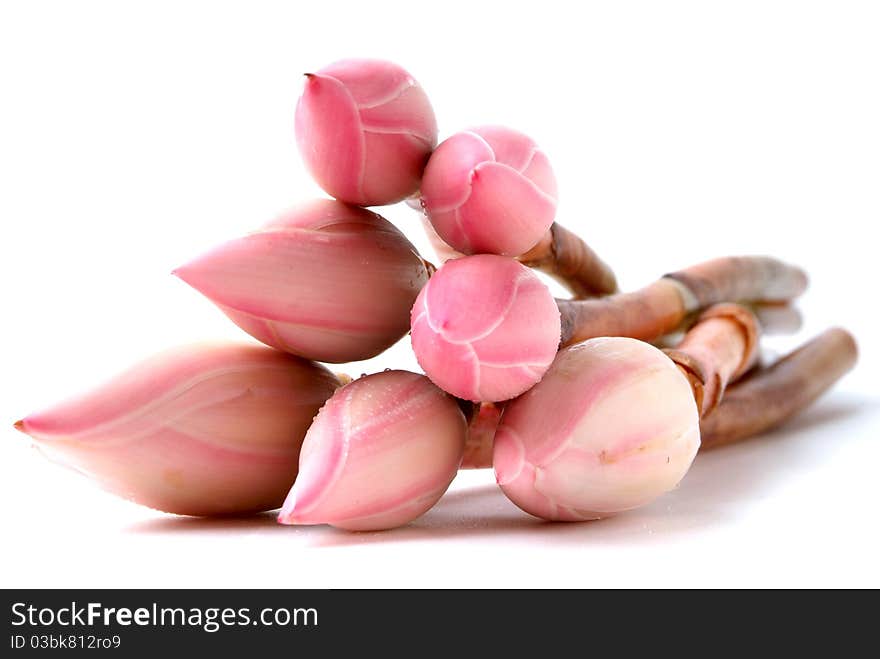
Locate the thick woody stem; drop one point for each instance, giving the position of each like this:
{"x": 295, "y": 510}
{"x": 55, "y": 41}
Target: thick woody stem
{"x": 775, "y": 319}
{"x": 568, "y": 259}
{"x": 741, "y": 279}
{"x": 663, "y": 306}
{"x": 719, "y": 348}
{"x": 771, "y": 396}
{"x": 560, "y": 254}
{"x": 645, "y": 314}
{"x": 481, "y": 436}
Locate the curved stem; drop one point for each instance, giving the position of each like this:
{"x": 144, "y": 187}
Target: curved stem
{"x": 661, "y": 307}
{"x": 569, "y": 260}
{"x": 778, "y": 318}
{"x": 559, "y": 254}
{"x": 720, "y": 347}
{"x": 770, "y": 396}
{"x": 742, "y": 278}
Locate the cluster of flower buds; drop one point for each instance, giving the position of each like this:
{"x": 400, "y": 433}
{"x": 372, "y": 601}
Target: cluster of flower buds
{"x": 580, "y": 416}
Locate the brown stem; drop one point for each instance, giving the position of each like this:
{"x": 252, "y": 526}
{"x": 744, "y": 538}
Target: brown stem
{"x": 481, "y": 437}
{"x": 769, "y": 397}
{"x": 740, "y": 279}
{"x": 663, "y": 306}
{"x": 720, "y": 347}
{"x": 777, "y": 318}
{"x": 560, "y": 254}
{"x": 568, "y": 259}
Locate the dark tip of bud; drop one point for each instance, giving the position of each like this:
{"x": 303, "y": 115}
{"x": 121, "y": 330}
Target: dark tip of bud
{"x": 19, "y": 425}
{"x": 309, "y": 75}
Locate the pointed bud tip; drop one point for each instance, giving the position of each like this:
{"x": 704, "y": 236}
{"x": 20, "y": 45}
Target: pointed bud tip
{"x": 288, "y": 518}
{"x": 181, "y": 272}
{"x": 291, "y": 513}
{"x": 287, "y": 513}
{"x": 19, "y": 426}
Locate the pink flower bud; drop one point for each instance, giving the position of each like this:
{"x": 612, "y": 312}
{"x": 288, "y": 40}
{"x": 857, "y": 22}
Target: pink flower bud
{"x": 325, "y": 281}
{"x": 490, "y": 190}
{"x": 380, "y": 453}
{"x": 200, "y": 430}
{"x": 612, "y": 426}
{"x": 365, "y": 129}
{"x": 485, "y": 328}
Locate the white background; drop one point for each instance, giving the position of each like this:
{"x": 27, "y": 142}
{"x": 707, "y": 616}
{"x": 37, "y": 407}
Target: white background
{"x": 133, "y": 136}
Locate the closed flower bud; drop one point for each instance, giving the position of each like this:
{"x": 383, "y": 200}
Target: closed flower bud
{"x": 200, "y": 430}
{"x": 365, "y": 129}
{"x": 485, "y": 328}
{"x": 325, "y": 281}
{"x": 612, "y": 426}
{"x": 380, "y": 453}
{"x": 490, "y": 190}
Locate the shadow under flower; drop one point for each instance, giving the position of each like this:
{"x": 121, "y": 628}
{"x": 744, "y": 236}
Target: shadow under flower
{"x": 174, "y": 524}
{"x": 722, "y": 485}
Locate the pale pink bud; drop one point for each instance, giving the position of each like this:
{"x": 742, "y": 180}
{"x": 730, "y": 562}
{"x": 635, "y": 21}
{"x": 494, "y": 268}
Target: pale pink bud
{"x": 490, "y": 190}
{"x": 365, "y": 129}
{"x": 612, "y": 426}
{"x": 200, "y": 430}
{"x": 485, "y": 328}
{"x": 380, "y": 453}
{"x": 325, "y": 281}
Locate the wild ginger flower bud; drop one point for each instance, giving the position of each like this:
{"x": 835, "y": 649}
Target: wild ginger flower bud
{"x": 380, "y": 453}
{"x": 485, "y": 328}
{"x": 612, "y": 426}
{"x": 201, "y": 430}
{"x": 490, "y": 190}
{"x": 325, "y": 281}
{"x": 365, "y": 129}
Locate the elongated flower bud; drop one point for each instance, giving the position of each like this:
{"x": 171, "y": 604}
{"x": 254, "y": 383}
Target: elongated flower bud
{"x": 490, "y": 190}
{"x": 365, "y": 129}
{"x": 612, "y": 426}
{"x": 380, "y": 453}
{"x": 325, "y": 281}
{"x": 200, "y": 430}
{"x": 485, "y": 328}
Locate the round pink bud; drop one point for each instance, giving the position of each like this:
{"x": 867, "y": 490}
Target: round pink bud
{"x": 612, "y": 426}
{"x": 485, "y": 328}
{"x": 325, "y": 281}
{"x": 381, "y": 452}
{"x": 490, "y": 190}
{"x": 365, "y": 129}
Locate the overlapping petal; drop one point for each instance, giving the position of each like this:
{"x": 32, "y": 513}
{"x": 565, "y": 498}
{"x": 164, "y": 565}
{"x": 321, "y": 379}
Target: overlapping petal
{"x": 611, "y": 426}
{"x": 365, "y": 129}
{"x": 490, "y": 190}
{"x": 380, "y": 453}
{"x": 485, "y": 328}
{"x": 207, "y": 429}
{"x": 326, "y": 281}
